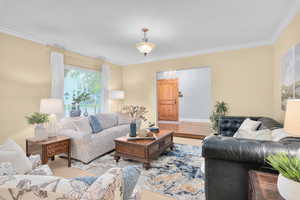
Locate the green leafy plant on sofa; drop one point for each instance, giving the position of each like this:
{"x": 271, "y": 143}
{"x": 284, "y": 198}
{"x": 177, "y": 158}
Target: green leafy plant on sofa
{"x": 220, "y": 109}
{"x": 287, "y": 166}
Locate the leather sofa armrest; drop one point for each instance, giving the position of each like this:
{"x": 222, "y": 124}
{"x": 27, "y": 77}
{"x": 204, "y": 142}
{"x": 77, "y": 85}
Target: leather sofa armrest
{"x": 246, "y": 150}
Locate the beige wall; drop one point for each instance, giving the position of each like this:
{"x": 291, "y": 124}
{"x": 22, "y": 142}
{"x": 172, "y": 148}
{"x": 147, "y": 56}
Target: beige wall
{"x": 289, "y": 38}
{"x": 25, "y": 78}
{"x": 242, "y": 78}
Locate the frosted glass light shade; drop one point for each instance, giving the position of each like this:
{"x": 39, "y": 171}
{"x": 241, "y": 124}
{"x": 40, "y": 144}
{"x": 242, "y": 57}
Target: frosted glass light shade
{"x": 117, "y": 94}
{"x": 51, "y": 106}
{"x": 145, "y": 47}
{"x": 292, "y": 117}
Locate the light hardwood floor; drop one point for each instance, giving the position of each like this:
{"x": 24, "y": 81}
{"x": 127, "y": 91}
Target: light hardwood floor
{"x": 196, "y": 130}
{"x": 59, "y": 167}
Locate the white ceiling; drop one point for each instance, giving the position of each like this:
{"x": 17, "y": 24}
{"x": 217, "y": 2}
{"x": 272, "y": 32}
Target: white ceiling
{"x": 111, "y": 28}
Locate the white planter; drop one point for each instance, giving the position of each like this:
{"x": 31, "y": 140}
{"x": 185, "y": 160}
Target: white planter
{"x": 40, "y": 132}
{"x": 288, "y": 189}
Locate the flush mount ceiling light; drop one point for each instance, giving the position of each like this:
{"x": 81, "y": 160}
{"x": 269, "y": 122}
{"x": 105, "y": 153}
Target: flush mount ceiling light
{"x": 145, "y": 47}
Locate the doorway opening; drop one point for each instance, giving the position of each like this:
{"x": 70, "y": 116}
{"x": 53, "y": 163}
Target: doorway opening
{"x": 184, "y": 101}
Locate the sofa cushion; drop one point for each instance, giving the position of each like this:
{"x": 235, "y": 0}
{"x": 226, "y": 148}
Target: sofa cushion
{"x": 124, "y": 119}
{"x": 95, "y": 124}
{"x": 68, "y": 123}
{"x": 83, "y": 124}
{"x": 13, "y": 153}
{"x": 107, "y": 120}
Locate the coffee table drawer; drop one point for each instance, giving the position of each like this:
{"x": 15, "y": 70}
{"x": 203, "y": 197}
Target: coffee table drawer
{"x": 137, "y": 151}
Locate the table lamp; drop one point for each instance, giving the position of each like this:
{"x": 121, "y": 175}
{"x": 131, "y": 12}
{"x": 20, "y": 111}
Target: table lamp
{"x": 292, "y": 118}
{"x": 117, "y": 95}
{"x": 52, "y": 107}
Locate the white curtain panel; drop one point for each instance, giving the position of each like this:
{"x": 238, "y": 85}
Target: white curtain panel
{"x": 105, "y": 77}
{"x": 57, "y": 65}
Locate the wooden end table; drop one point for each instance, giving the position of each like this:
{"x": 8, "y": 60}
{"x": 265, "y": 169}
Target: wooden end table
{"x": 49, "y": 148}
{"x": 263, "y": 186}
{"x": 144, "y": 150}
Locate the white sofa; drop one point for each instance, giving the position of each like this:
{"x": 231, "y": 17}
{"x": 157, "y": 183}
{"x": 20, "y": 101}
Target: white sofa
{"x": 85, "y": 145}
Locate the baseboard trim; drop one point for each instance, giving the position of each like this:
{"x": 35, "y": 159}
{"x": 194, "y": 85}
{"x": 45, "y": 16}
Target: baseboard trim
{"x": 193, "y": 120}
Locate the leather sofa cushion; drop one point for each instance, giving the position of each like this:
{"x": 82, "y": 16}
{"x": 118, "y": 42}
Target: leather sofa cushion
{"x": 246, "y": 150}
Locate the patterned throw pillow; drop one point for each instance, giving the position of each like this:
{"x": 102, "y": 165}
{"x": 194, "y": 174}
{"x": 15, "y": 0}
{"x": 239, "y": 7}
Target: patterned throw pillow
{"x": 95, "y": 124}
{"x": 7, "y": 169}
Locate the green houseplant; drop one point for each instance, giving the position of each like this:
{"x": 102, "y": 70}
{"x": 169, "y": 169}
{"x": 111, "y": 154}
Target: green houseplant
{"x": 289, "y": 178}
{"x": 38, "y": 119}
{"x": 220, "y": 109}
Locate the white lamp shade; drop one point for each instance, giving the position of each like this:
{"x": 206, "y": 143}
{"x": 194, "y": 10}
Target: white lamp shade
{"x": 117, "y": 94}
{"x": 292, "y": 117}
{"x": 51, "y": 106}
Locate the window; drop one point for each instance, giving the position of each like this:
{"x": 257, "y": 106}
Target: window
{"x": 77, "y": 81}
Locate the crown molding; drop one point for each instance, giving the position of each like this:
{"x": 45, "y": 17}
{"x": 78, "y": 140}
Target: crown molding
{"x": 203, "y": 52}
{"x": 286, "y": 21}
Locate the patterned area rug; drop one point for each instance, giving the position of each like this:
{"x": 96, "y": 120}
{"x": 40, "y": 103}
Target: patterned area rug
{"x": 176, "y": 173}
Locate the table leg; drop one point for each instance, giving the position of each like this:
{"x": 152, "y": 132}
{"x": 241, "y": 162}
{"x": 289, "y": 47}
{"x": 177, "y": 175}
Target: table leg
{"x": 44, "y": 155}
{"x": 147, "y": 165}
{"x": 117, "y": 158}
{"x": 69, "y": 154}
{"x": 27, "y": 149}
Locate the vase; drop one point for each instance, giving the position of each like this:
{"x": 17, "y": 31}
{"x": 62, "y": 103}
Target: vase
{"x": 75, "y": 112}
{"x": 85, "y": 113}
{"x": 288, "y": 189}
{"x": 132, "y": 129}
{"x": 40, "y": 132}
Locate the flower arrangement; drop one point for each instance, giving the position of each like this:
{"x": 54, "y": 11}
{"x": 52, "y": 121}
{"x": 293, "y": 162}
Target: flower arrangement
{"x": 37, "y": 118}
{"x": 135, "y": 112}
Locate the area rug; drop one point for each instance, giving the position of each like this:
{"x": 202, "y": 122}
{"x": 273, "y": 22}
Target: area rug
{"x": 176, "y": 173}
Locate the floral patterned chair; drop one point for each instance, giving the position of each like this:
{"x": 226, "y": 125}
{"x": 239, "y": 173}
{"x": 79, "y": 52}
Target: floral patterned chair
{"x": 115, "y": 184}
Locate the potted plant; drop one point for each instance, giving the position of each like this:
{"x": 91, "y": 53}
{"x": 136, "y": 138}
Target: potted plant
{"x": 39, "y": 119}
{"x": 220, "y": 109}
{"x": 76, "y": 100}
{"x": 289, "y": 178}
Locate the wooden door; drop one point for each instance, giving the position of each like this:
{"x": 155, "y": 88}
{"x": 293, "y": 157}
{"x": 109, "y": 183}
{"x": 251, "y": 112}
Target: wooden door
{"x": 167, "y": 99}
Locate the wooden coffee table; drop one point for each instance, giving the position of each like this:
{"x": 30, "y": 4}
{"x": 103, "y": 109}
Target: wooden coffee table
{"x": 144, "y": 150}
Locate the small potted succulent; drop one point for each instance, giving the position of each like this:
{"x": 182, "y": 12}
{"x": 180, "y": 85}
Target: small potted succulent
{"x": 289, "y": 178}
{"x": 39, "y": 119}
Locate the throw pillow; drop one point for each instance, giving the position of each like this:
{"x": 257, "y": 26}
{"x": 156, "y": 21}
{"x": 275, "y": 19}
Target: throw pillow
{"x": 278, "y": 134}
{"x": 83, "y": 124}
{"x": 7, "y": 169}
{"x": 250, "y": 125}
{"x": 13, "y": 153}
{"x": 131, "y": 176}
{"x": 95, "y": 124}
{"x": 265, "y": 134}
{"x": 67, "y": 123}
